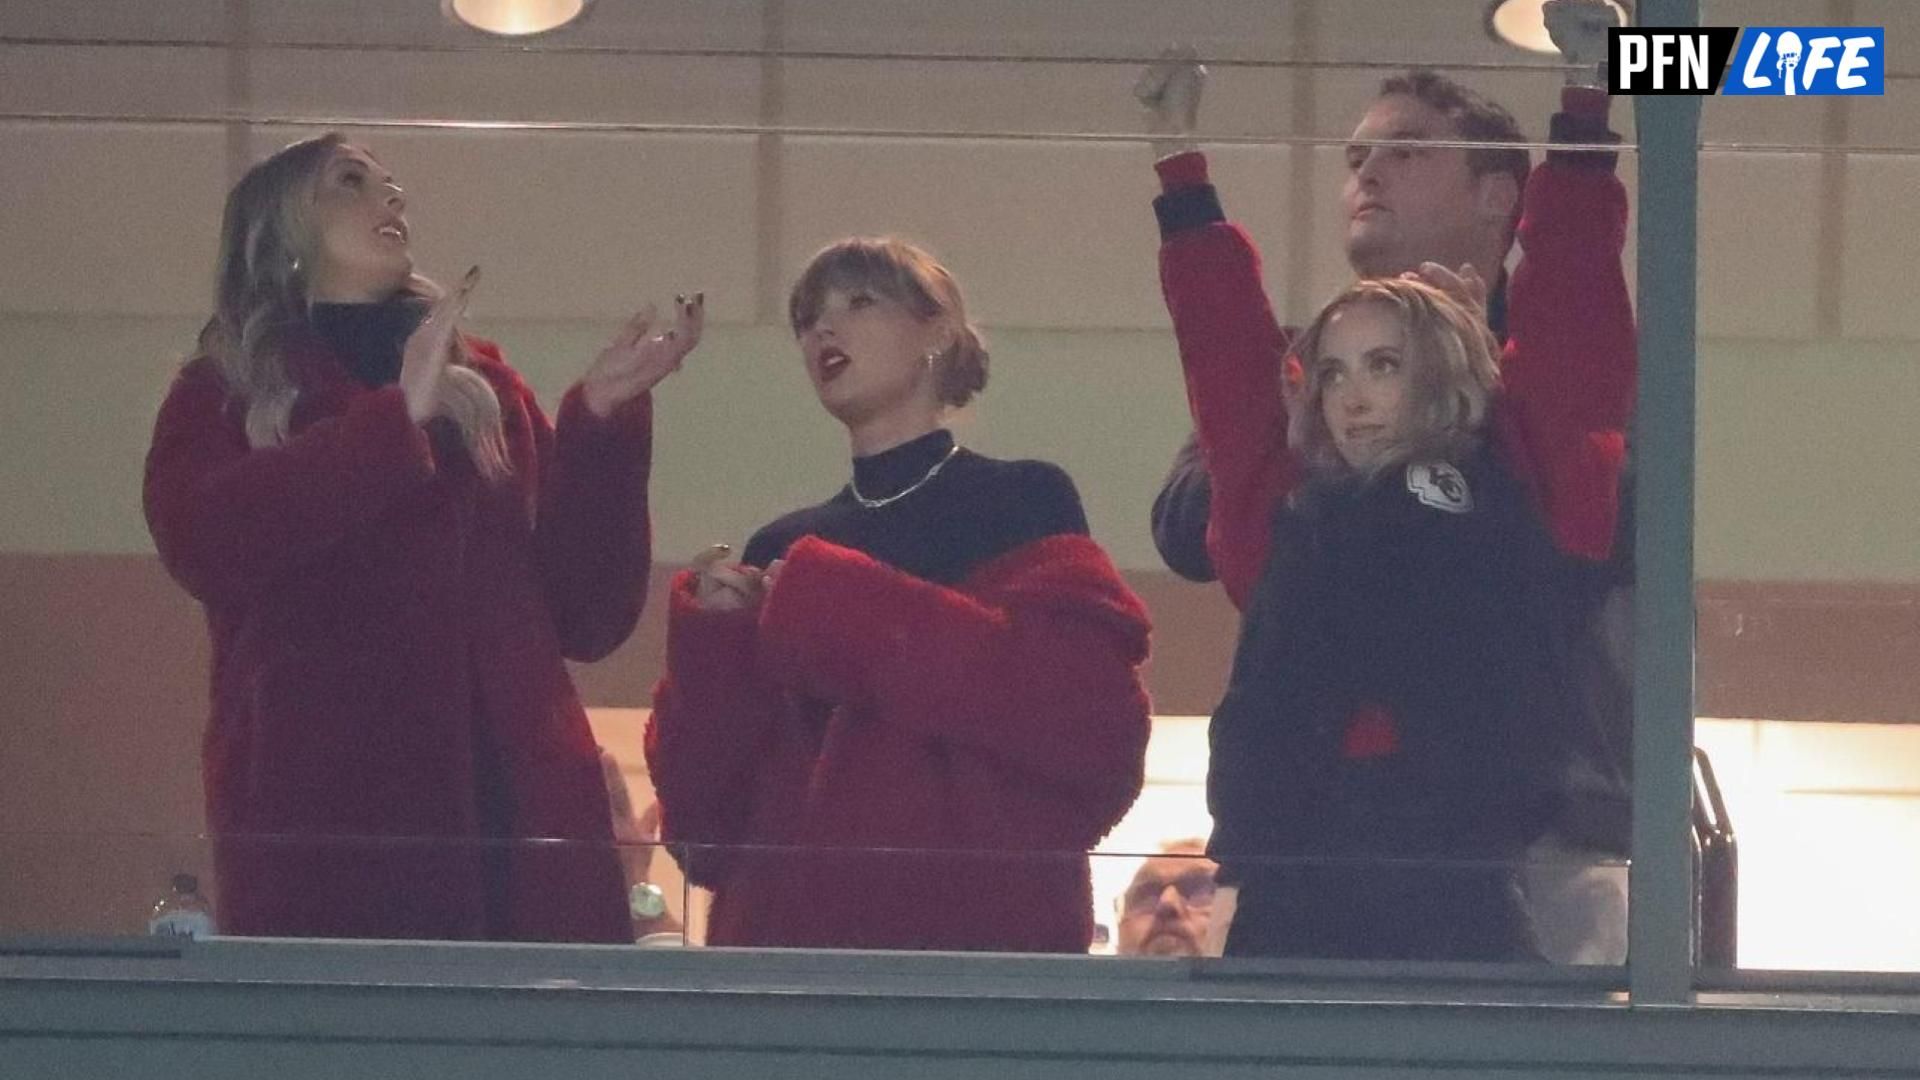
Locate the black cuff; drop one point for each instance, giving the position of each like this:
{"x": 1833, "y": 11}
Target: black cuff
{"x": 1568, "y": 128}
{"x": 1187, "y": 208}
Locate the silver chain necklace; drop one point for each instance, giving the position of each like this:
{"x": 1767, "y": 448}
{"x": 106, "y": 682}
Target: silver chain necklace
{"x": 875, "y": 504}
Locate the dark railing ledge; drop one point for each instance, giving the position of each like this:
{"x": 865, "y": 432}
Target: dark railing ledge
{"x": 328, "y": 1009}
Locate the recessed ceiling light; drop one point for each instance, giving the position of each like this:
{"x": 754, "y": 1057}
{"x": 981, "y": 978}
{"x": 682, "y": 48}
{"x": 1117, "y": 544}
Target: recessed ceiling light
{"x": 515, "y": 18}
{"x": 1522, "y": 23}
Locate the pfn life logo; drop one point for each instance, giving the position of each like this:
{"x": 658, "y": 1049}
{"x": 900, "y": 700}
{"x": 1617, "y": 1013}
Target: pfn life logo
{"x": 1794, "y": 60}
{"x": 1789, "y": 61}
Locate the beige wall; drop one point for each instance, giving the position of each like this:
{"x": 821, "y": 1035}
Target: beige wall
{"x": 1807, "y": 314}
{"x": 1808, "y": 469}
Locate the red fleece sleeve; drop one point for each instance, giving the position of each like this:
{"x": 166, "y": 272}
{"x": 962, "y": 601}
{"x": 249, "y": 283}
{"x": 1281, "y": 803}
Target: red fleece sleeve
{"x": 1572, "y": 354}
{"x": 1233, "y": 352}
{"x": 229, "y": 519}
{"x": 592, "y": 532}
{"x": 1182, "y": 170}
{"x": 713, "y": 720}
{"x": 593, "y": 529}
{"x": 1037, "y": 681}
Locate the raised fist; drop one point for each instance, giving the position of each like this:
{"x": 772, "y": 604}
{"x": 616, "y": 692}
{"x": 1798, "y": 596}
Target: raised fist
{"x": 1579, "y": 30}
{"x": 1170, "y": 89}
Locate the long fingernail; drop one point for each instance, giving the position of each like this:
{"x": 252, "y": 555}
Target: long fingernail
{"x": 680, "y": 299}
{"x": 472, "y": 275}
{"x": 700, "y": 298}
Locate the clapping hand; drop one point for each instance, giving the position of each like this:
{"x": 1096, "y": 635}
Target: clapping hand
{"x": 771, "y": 577}
{"x": 637, "y": 358}
{"x": 428, "y": 350}
{"x": 724, "y": 586}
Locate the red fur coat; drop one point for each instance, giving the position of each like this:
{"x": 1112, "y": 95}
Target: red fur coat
{"x": 388, "y": 692}
{"x": 920, "y": 766}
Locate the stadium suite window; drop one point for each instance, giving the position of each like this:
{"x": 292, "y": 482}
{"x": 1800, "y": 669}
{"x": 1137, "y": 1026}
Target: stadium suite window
{"x": 1654, "y": 198}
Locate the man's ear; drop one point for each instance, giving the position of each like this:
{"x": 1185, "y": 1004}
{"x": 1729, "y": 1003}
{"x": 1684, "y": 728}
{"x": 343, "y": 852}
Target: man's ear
{"x": 1497, "y": 196}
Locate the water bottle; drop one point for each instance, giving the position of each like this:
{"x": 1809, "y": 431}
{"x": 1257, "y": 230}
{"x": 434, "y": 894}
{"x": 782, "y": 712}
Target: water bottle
{"x": 182, "y": 912}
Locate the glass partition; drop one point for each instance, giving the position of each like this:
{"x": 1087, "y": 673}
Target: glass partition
{"x": 91, "y": 888}
{"x": 134, "y": 893}
{"x": 1805, "y": 539}
{"x": 672, "y": 147}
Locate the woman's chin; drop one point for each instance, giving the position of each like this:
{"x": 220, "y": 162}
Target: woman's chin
{"x": 839, "y": 403}
{"x": 391, "y": 275}
{"x": 858, "y": 406}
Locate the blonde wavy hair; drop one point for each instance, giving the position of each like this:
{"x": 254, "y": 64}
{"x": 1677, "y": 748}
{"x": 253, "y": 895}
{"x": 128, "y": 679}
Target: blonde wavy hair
{"x": 268, "y": 250}
{"x": 1450, "y": 359}
{"x": 910, "y": 276}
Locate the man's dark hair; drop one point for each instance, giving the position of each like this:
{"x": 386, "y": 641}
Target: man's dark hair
{"x": 1475, "y": 118}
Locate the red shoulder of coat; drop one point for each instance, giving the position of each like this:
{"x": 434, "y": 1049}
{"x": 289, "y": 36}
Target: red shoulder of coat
{"x": 202, "y": 374}
{"x": 201, "y": 383}
{"x": 485, "y": 357}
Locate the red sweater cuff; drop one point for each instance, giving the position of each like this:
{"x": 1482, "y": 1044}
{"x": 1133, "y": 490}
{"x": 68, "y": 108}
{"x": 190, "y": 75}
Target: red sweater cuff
{"x": 1586, "y": 102}
{"x": 1183, "y": 170}
{"x": 815, "y": 625}
{"x": 633, "y": 416}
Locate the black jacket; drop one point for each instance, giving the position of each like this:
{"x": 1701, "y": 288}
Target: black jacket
{"x": 1432, "y": 593}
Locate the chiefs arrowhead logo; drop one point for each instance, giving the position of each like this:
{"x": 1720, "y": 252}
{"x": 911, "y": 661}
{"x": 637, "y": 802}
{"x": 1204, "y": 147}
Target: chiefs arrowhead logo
{"x": 1440, "y": 486}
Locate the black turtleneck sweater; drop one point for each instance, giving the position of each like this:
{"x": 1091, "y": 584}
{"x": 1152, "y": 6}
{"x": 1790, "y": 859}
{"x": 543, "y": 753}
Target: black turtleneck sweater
{"x": 975, "y": 510}
{"x": 370, "y": 337}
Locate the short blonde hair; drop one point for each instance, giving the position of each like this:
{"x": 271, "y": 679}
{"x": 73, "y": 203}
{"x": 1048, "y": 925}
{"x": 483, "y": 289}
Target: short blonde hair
{"x": 908, "y": 275}
{"x": 1450, "y": 359}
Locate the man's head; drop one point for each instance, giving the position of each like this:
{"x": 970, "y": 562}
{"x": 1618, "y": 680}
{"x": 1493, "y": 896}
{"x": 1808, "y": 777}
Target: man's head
{"x": 1407, "y": 205}
{"x": 1164, "y": 911}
